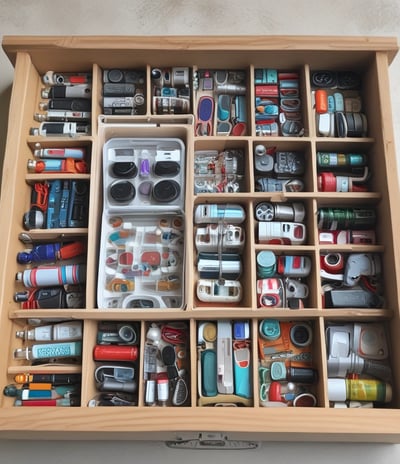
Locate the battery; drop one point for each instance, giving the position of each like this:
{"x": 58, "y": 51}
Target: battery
{"x": 346, "y": 218}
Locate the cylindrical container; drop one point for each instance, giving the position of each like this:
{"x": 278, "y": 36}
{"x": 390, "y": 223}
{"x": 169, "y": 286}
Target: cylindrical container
{"x": 340, "y": 160}
{"x": 53, "y": 275}
{"x": 162, "y": 390}
{"x": 359, "y": 390}
{"x": 115, "y": 353}
{"x": 294, "y": 266}
{"x": 270, "y": 329}
{"x": 150, "y": 392}
{"x": 346, "y": 218}
{"x": 340, "y": 237}
{"x": 266, "y": 264}
{"x": 301, "y": 375}
{"x": 66, "y": 331}
{"x": 125, "y": 334}
{"x": 329, "y": 182}
{"x": 332, "y": 262}
{"x": 54, "y": 379}
{"x": 49, "y": 350}
{"x": 75, "y": 153}
{"x": 110, "y": 384}
{"x": 301, "y": 334}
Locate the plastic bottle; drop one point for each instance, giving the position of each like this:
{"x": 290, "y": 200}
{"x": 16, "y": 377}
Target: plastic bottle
{"x": 65, "y": 331}
{"x": 47, "y": 276}
{"x": 359, "y": 390}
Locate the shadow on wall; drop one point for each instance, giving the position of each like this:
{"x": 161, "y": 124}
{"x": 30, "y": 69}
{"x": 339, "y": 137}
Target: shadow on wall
{"x": 5, "y": 97}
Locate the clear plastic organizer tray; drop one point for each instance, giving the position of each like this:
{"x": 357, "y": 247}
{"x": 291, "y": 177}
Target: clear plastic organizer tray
{"x": 141, "y": 261}
{"x": 143, "y": 173}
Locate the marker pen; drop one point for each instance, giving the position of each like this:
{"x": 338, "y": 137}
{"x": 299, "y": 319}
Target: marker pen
{"x": 60, "y": 128}
{"x": 45, "y": 393}
{"x": 48, "y": 402}
{"x": 67, "y": 91}
{"x": 63, "y": 115}
{"x": 49, "y": 350}
{"x": 75, "y": 153}
{"x": 54, "y": 379}
{"x": 65, "y": 331}
{"x": 40, "y": 386}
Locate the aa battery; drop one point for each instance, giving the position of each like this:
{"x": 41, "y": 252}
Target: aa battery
{"x": 346, "y": 218}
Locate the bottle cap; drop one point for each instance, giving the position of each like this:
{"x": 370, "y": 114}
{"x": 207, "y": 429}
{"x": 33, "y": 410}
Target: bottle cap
{"x": 31, "y": 165}
{"x": 210, "y": 332}
{"x": 336, "y": 390}
{"x": 25, "y": 334}
{"x": 270, "y": 329}
{"x": 278, "y": 370}
{"x": 21, "y": 353}
{"x": 389, "y": 393}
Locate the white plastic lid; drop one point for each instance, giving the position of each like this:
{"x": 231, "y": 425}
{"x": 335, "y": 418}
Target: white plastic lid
{"x": 336, "y": 389}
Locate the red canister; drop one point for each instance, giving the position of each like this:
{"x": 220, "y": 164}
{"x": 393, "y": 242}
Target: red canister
{"x": 115, "y": 353}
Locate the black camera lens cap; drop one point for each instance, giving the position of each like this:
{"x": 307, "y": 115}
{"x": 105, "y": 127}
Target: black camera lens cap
{"x": 166, "y": 191}
{"x": 124, "y": 169}
{"x": 166, "y": 168}
{"x": 122, "y": 191}
{"x": 301, "y": 335}
{"x": 115, "y": 75}
{"x": 80, "y": 187}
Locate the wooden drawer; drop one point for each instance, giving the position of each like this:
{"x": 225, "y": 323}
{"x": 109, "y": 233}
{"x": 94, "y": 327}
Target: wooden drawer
{"x": 218, "y": 171}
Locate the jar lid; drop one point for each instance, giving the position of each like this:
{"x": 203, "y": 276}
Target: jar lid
{"x": 270, "y": 329}
{"x": 336, "y": 389}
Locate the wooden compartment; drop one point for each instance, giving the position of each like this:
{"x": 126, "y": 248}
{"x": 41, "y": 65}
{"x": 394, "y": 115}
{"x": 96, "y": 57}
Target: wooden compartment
{"x": 367, "y": 56}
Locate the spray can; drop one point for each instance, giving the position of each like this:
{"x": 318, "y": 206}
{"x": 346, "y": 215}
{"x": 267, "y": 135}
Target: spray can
{"x": 359, "y": 390}
{"x": 47, "y": 276}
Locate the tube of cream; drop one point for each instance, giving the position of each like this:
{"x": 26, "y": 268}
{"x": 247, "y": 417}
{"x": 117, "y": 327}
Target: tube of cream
{"x": 49, "y": 350}
{"x": 65, "y": 331}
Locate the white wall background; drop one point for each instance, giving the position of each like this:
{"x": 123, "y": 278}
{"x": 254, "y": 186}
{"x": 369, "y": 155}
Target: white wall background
{"x": 147, "y": 17}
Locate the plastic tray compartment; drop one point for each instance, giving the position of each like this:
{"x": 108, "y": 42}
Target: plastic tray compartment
{"x": 141, "y": 261}
{"x": 139, "y": 174}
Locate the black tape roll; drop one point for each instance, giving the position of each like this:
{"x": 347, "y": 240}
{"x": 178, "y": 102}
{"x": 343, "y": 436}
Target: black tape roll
{"x": 122, "y": 191}
{"x": 351, "y": 128}
{"x": 166, "y": 191}
{"x": 324, "y": 79}
{"x": 341, "y": 124}
{"x": 124, "y": 169}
